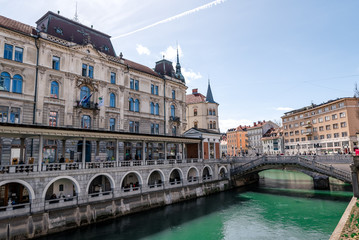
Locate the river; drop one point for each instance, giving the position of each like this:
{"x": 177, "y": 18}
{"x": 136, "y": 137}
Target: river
{"x": 282, "y": 206}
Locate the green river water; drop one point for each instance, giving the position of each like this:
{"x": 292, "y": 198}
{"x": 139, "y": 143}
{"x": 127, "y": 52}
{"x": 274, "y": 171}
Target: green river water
{"x": 282, "y": 206}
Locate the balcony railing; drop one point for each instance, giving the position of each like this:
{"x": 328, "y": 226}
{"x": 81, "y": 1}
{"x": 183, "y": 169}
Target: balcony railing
{"x": 88, "y": 105}
{"x": 175, "y": 119}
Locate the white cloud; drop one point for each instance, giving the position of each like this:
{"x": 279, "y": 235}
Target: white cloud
{"x": 171, "y": 53}
{"x": 284, "y": 109}
{"x": 225, "y": 124}
{"x": 142, "y": 50}
{"x": 190, "y": 75}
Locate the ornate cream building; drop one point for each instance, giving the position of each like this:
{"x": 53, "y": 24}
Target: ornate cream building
{"x": 65, "y": 74}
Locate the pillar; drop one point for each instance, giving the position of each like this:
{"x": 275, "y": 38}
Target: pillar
{"x": 22, "y": 145}
{"x": 209, "y": 149}
{"x": 143, "y": 151}
{"x": 97, "y": 148}
{"x": 199, "y": 151}
{"x": 83, "y": 152}
{"x": 41, "y": 146}
{"x": 165, "y": 149}
{"x": 183, "y": 155}
{"x": 117, "y": 155}
{"x": 355, "y": 185}
{"x": 214, "y": 150}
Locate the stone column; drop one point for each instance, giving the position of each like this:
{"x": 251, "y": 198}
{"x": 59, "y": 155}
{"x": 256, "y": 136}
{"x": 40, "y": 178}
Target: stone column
{"x": 63, "y": 148}
{"x": 355, "y": 185}
{"x": 41, "y": 146}
{"x": 22, "y": 145}
{"x": 143, "y": 151}
{"x": 165, "y": 150}
{"x": 199, "y": 151}
{"x": 183, "y": 155}
{"x": 117, "y": 152}
{"x": 214, "y": 150}
{"x": 83, "y": 152}
{"x": 97, "y": 148}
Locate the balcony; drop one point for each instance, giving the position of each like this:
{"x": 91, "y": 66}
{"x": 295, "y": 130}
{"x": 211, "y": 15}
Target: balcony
{"x": 307, "y": 125}
{"x": 175, "y": 119}
{"x": 88, "y": 105}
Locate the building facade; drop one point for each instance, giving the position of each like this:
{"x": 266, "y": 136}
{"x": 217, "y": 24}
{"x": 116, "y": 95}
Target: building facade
{"x": 202, "y": 111}
{"x": 237, "y": 141}
{"x": 272, "y": 142}
{"x": 65, "y": 74}
{"x": 321, "y": 129}
{"x": 255, "y": 134}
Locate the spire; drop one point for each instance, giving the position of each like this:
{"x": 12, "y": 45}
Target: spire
{"x": 76, "y": 17}
{"x": 178, "y": 68}
{"x": 209, "y": 96}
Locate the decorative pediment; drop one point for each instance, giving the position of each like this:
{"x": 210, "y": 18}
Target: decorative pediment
{"x": 88, "y": 82}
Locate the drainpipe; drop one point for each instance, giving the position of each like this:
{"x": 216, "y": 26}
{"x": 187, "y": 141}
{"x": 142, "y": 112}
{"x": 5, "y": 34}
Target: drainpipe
{"x": 36, "y": 37}
{"x": 164, "y": 105}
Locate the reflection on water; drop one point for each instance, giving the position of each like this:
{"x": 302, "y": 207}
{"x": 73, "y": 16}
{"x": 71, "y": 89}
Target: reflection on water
{"x": 282, "y": 206}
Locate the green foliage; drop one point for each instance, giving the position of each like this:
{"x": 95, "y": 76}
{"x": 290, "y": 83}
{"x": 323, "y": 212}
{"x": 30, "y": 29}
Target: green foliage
{"x": 353, "y": 235}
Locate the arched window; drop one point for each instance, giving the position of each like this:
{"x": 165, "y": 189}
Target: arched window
{"x": 137, "y": 105}
{"x": 157, "y": 109}
{"x": 152, "y": 108}
{"x": 173, "y": 111}
{"x": 210, "y": 112}
{"x": 195, "y": 112}
{"x": 85, "y": 92}
{"x": 112, "y": 100}
{"x": 17, "y": 84}
{"x": 195, "y": 124}
{"x": 86, "y": 121}
{"x": 214, "y": 125}
{"x": 131, "y": 104}
{"x": 5, "y": 81}
{"x": 214, "y": 112}
{"x": 54, "y": 92}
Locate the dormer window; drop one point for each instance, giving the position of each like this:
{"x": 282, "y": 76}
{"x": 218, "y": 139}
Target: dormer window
{"x": 58, "y": 30}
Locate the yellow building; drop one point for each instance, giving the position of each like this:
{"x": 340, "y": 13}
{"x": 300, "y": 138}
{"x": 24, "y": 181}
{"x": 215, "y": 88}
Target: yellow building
{"x": 325, "y": 128}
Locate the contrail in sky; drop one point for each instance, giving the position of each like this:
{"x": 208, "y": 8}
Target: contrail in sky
{"x": 208, "y": 5}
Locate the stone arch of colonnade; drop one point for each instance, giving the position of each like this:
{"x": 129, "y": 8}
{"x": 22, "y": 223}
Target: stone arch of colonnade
{"x": 208, "y": 168}
{"x": 108, "y": 176}
{"x": 22, "y": 182}
{"x": 162, "y": 175}
{"x": 73, "y": 180}
{"x": 192, "y": 170}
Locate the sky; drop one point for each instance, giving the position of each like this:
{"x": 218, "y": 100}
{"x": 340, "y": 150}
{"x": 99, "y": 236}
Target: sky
{"x": 263, "y": 57}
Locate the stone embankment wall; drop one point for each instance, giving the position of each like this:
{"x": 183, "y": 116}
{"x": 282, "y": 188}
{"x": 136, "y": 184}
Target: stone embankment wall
{"x": 57, "y": 220}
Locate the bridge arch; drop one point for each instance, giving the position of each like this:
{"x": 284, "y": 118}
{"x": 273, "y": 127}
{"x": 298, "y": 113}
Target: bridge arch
{"x": 222, "y": 172}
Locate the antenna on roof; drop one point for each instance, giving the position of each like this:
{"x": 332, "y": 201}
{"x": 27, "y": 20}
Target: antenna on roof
{"x": 356, "y": 92}
{"x": 76, "y": 17}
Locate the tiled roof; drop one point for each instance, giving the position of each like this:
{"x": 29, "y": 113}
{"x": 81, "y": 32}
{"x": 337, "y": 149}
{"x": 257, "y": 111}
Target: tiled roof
{"x": 195, "y": 98}
{"x": 17, "y": 26}
{"x": 140, "y": 67}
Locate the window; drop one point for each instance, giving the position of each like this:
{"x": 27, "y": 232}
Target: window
{"x": 152, "y": 107}
{"x": 173, "y": 111}
{"x": 90, "y": 72}
{"x": 210, "y": 125}
{"x": 321, "y": 128}
{"x": 131, "y": 126}
{"x": 132, "y": 84}
{"x": 113, "y": 78}
{"x": 291, "y": 133}
{"x": 53, "y": 119}
{"x": 214, "y": 112}
{"x": 315, "y": 137}
{"x": 157, "y": 109}
{"x": 296, "y": 132}
{"x": 84, "y": 70}
{"x": 320, "y": 120}
{"x": 327, "y": 127}
{"x": 321, "y": 136}
{"x": 336, "y": 135}
{"x": 157, "y": 129}
{"x": 152, "y": 128}
{"x": 137, "y": 85}
{"x": 344, "y": 134}
{"x": 286, "y": 134}
{"x": 3, "y": 113}
{"x": 85, "y": 92}
{"x": 112, "y": 100}
{"x": 333, "y": 107}
{"x": 315, "y": 129}
{"x": 297, "y": 139}
{"x": 14, "y": 115}
{"x": 5, "y": 81}
{"x": 214, "y": 124}
{"x": 296, "y": 125}
{"x": 342, "y": 114}
{"x": 327, "y": 118}
{"x": 341, "y": 104}
{"x": 86, "y": 121}
{"x": 54, "y": 92}
{"x": 17, "y": 84}
{"x": 335, "y": 126}
{"x": 319, "y": 111}
{"x": 210, "y": 112}
{"x": 326, "y": 109}
{"x": 329, "y": 135}
{"x": 137, "y": 105}
{"x": 137, "y": 127}
{"x": 343, "y": 124}
{"x": 314, "y": 121}
{"x": 173, "y": 94}
{"x": 309, "y": 138}
{"x": 8, "y": 51}
{"x": 112, "y": 124}
{"x": 55, "y": 63}
{"x": 156, "y": 90}
{"x": 131, "y": 105}
{"x": 174, "y": 131}
{"x": 194, "y": 112}
{"x": 18, "y": 54}
{"x": 334, "y": 116}
{"x": 152, "y": 89}
{"x": 195, "y": 124}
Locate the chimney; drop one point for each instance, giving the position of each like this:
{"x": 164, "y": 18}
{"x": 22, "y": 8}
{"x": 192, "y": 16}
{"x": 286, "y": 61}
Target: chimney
{"x": 195, "y": 91}
{"x": 255, "y": 124}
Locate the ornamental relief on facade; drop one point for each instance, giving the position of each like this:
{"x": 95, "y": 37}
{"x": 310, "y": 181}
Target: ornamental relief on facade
{"x": 94, "y": 85}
